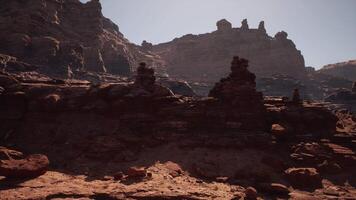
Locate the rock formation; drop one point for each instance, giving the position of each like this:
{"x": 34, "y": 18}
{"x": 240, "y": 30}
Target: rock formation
{"x": 345, "y": 70}
{"x": 244, "y": 25}
{"x": 261, "y": 27}
{"x": 66, "y": 37}
{"x": 31, "y": 166}
{"x": 145, "y": 83}
{"x": 346, "y": 98}
{"x": 223, "y": 25}
{"x": 120, "y": 140}
{"x": 238, "y": 85}
{"x": 296, "y": 96}
{"x": 238, "y": 91}
{"x": 201, "y": 58}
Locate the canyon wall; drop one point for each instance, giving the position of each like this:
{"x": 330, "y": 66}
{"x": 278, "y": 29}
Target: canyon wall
{"x": 203, "y": 57}
{"x": 66, "y": 36}
{"x": 346, "y": 70}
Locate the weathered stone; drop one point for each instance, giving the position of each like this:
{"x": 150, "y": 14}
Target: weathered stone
{"x": 57, "y": 34}
{"x": 345, "y": 70}
{"x": 173, "y": 168}
{"x": 8, "y": 154}
{"x": 223, "y": 25}
{"x": 146, "y": 46}
{"x": 304, "y": 177}
{"x": 200, "y": 58}
{"x": 251, "y": 193}
{"x": 32, "y": 166}
{"x": 136, "y": 172}
{"x": 278, "y": 130}
{"x": 238, "y": 91}
{"x": 274, "y": 188}
{"x": 261, "y": 27}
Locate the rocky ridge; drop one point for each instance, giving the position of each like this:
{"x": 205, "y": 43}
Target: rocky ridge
{"x": 137, "y": 140}
{"x": 200, "y": 58}
{"x": 345, "y": 70}
{"x": 66, "y": 38}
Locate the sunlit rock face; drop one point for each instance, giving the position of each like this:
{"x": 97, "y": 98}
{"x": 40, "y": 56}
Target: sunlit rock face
{"x": 66, "y": 36}
{"x": 203, "y": 57}
{"x": 345, "y": 70}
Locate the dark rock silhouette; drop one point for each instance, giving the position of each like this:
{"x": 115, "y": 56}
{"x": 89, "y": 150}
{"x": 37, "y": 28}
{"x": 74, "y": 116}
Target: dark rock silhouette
{"x": 223, "y": 25}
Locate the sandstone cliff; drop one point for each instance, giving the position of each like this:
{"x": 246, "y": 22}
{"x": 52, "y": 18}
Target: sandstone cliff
{"x": 66, "y": 36}
{"x": 345, "y": 70}
{"x": 202, "y": 57}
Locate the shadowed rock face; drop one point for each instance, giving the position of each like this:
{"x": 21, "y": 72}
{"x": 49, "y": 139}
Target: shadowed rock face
{"x": 67, "y": 36}
{"x": 203, "y": 57}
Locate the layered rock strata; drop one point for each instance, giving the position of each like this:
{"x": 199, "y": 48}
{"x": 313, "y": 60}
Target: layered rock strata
{"x": 66, "y": 37}
{"x": 201, "y": 58}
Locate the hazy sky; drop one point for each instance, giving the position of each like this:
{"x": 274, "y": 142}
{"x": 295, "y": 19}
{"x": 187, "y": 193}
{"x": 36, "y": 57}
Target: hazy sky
{"x": 324, "y": 30}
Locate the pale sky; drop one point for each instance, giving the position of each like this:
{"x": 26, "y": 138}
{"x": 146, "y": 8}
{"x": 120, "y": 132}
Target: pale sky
{"x": 324, "y": 30}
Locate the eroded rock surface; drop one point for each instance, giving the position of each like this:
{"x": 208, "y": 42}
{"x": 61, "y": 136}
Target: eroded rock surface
{"x": 345, "y": 70}
{"x": 65, "y": 37}
{"x": 201, "y": 58}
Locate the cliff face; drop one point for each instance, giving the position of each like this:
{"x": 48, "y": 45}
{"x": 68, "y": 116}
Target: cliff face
{"x": 202, "y": 57}
{"x": 345, "y": 70}
{"x": 65, "y": 35}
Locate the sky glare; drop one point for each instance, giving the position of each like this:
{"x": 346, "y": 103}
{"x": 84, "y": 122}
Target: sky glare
{"x": 324, "y": 30}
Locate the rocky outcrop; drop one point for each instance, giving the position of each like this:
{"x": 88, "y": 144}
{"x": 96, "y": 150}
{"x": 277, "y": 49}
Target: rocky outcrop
{"x": 65, "y": 37}
{"x": 304, "y": 177}
{"x": 199, "y": 58}
{"x": 346, "y": 98}
{"x": 345, "y": 70}
{"x": 24, "y": 167}
{"x": 130, "y": 140}
{"x": 238, "y": 91}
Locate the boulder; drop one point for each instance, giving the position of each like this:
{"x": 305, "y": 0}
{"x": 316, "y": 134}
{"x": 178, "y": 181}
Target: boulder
{"x": 173, "y": 168}
{"x": 136, "y": 172}
{"x": 8, "y": 154}
{"x": 251, "y": 193}
{"x": 274, "y": 189}
{"x": 304, "y": 178}
{"x": 278, "y": 130}
{"x": 29, "y": 167}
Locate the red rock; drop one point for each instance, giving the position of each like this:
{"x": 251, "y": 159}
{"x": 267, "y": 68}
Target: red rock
{"x": 136, "y": 172}
{"x": 274, "y": 188}
{"x": 32, "y": 166}
{"x": 206, "y": 54}
{"x": 238, "y": 94}
{"x": 46, "y": 33}
{"x": 118, "y": 176}
{"x": 8, "y": 154}
{"x": 304, "y": 177}
{"x": 174, "y": 169}
{"x": 278, "y": 130}
{"x": 251, "y": 193}
{"x": 345, "y": 70}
